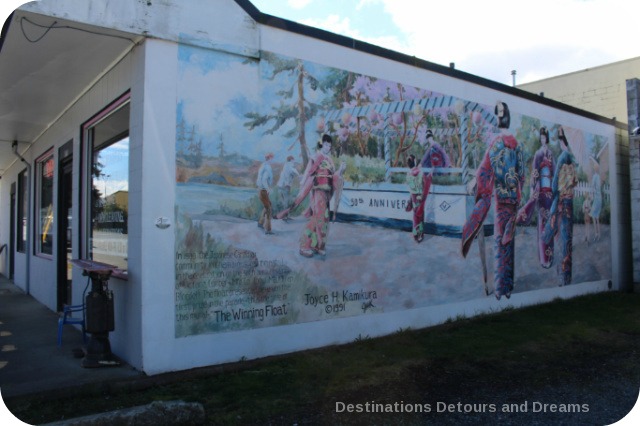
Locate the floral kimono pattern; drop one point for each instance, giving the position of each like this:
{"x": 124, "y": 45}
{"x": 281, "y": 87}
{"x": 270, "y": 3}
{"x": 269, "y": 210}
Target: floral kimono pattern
{"x": 542, "y": 172}
{"x": 500, "y": 174}
{"x": 314, "y": 234}
{"x": 560, "y": 224}
{"x": 419, "y": 185}
{"x": 435, "y": 156}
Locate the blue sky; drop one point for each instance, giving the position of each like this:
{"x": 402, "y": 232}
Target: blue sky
{"x": 360, "y": 18}
{"x": 487, "y": 38}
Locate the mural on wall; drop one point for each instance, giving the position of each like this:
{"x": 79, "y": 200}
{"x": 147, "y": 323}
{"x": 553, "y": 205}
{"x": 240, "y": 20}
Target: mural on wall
{"x": 307, "y": 193}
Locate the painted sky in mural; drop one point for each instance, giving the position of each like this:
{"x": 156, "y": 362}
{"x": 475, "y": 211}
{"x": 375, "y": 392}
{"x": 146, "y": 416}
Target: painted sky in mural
{"x": 224, "y": 103}
{"x": 348, "y": 247}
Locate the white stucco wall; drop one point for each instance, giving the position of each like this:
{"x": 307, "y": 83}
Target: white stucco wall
{"x": 145, "y": 304}
{"x": 213, "y": 24}
{"x": 158, "y": 200}
{"x": 162, "y": 351}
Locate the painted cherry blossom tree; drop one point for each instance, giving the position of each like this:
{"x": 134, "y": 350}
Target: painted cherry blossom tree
{"x": 357, "y": 132}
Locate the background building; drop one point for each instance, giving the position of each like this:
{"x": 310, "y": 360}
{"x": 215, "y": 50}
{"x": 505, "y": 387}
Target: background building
{"x": 601, "y": 90}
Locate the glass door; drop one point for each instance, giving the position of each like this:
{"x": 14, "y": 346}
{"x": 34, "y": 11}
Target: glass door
{"x": 65, "y": 240}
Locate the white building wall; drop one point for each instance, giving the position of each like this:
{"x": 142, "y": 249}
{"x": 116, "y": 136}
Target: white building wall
{"x": 126, "y": 340}
{"x": 215, "y": 24}
{"x": 10, "y": 176}
{"x": 145, "y": 304}
{"x": 158, "y": 200}
{"x": 162, "y": 351}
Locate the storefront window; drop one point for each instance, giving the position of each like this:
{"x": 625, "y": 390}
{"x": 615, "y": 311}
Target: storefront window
{"x": 45, "y": 229}
{"x": 108, "y": 176}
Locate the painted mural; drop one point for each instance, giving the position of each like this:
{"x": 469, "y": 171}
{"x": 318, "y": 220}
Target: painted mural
{"x": 308, "y": 193}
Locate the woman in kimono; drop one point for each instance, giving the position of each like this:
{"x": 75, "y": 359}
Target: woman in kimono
{"x": 434, "y": 157}
{"x": 502, "y": 174}
{"x": 319, "y": 180}
{"x": 596, "y": 205}
{"x": 416, "y": 181}
{"x": 434, "y": 154}
{"x": 542, "y": 171}
{"x": 560, "y": 223}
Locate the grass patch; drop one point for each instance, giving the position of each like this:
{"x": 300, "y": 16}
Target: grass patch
{"x": 556, "y": 342}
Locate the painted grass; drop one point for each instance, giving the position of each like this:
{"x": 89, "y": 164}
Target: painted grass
{"x": 540, "y": 345}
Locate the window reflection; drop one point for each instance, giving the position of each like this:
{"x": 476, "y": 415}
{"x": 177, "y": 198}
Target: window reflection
{"x": 106, "y": 221}
{"x": 44, "y": 210}
{"x": 110, "y": 203}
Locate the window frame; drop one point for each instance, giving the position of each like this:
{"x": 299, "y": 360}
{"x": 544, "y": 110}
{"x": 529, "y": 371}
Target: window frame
{"x": 88, "y": 149}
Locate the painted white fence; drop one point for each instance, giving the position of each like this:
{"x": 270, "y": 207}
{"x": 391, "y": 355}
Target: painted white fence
{"x": 584, "y": 188}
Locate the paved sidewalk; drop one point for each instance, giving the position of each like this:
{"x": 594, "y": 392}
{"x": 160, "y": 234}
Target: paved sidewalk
{"x": 31, "y": 362}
